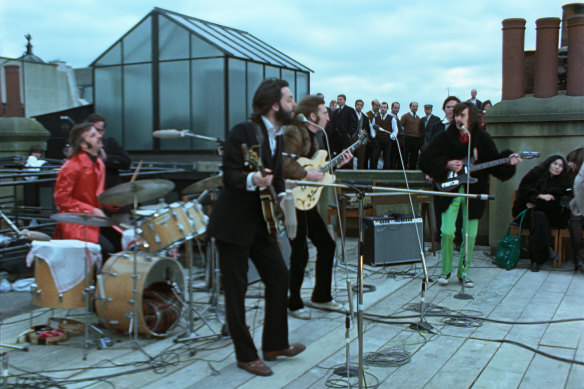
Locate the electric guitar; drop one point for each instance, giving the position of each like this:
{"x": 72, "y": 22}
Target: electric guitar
{"x": 271, "y": 211}
{"x": 307, "y": 197}
{"x": 454, "y": 180}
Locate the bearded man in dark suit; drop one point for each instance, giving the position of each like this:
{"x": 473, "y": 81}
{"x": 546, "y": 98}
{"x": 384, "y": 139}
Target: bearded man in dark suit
{"x": 241, "y": 233}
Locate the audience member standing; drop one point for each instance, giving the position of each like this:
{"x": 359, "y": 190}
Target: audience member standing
{"x": 395, "y": 153}
{"x": 427, "y": 122}
{"x": 383, "y": 135}
{"x": 473, "y": 99}
{"x": 371, "y": 114}
{"x": 344, "y": 125}
{"x": 413, "y": 136}
{"x": 363, "y": 124}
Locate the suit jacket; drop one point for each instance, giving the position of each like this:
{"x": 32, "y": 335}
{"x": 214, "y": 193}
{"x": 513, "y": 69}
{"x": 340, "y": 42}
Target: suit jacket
{"x": 425, "y": 128}
{"x": 344, "y": 127}
{"x": 364, "y": 125}
{"x": 117, "y": 158}
{"x": 237, "y": 214}
{"x": 478, "y": 104}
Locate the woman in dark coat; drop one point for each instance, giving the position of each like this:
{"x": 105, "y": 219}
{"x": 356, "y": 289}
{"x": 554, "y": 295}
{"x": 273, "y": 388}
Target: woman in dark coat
{"x": 540, "y": 191}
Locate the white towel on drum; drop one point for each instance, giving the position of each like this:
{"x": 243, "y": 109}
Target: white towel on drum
{"x": 65, "y": 259}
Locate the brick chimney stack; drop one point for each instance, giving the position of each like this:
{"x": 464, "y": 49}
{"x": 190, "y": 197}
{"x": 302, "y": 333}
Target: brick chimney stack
{"x": 513, "y": 59}
{"x": 13, "y": 101}
{"x": 575, "y": 78}
{"x": 546, "y": 57}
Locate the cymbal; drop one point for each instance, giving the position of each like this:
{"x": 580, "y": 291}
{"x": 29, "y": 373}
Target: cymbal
{"x": 207, "y": 183}
{"x": 142, "y": 190}
{"x": 83, "y": 219}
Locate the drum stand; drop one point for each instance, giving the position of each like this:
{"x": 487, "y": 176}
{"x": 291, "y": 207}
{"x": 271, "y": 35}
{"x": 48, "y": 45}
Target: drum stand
{"x": 191, "y": 334}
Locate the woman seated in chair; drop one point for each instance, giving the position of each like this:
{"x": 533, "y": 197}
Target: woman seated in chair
{"x": 575, "y": 159}
{"x": 540, "y": 192}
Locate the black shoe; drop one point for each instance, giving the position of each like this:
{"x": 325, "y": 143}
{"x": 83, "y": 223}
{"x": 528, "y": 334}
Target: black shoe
{"x": 534, "y": 267}
{"x": 552, "y": 255}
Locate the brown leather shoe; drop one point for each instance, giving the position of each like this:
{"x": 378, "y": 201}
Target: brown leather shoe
{"x": 291, "y": 351}
{"x": 257, "y": 367}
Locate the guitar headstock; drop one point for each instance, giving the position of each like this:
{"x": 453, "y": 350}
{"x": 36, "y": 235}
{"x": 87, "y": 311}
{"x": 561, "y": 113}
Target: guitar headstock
{"x": 252, "y": 158}
{"x": 529, "y": 154}
{"x": 363, "y": 138}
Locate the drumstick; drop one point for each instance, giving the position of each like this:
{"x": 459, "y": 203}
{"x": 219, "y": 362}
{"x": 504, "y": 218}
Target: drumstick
{"x": 136, "y": 172}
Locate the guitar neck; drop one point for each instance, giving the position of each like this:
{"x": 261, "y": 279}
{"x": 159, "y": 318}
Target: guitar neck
{"x": 486, "y": 165}
{"x": 333, "y": 162}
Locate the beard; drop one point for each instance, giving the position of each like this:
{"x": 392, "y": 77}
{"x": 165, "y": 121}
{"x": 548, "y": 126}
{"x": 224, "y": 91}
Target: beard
{"x": 282, "y": 116}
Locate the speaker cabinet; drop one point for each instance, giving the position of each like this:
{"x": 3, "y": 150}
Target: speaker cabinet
{"x": 391, "y": 241}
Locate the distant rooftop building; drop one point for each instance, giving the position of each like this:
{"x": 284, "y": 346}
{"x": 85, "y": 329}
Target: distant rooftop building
{"x": 176, "y": 71}
{"x": 28, "y": 55}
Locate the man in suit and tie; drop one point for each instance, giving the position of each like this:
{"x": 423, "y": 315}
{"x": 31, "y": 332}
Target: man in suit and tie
{"x": 363, "y": 124}
{"x": 413, "y": 137}
{"x": 473, "y": 99}
{"x": 427, "y": 121}
{"x": 344, "y": 125}
{"x": 371, "y": 114}
{"x": 240, "y": 230}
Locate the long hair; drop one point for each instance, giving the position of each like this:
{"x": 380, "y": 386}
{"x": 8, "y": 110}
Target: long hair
{"x": 308, "y": 105}
{"x": 577, "y": 157}
{"x": 76, "y": 137}
{"x": 448, "y": 99}
{"x": 543, "y": 169}
{"x": 473, "y": 113}
{"x": 268, "y": 93}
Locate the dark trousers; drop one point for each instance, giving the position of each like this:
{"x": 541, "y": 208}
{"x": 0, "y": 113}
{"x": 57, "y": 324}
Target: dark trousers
{"x": 311, "y": 224}
{"x": 575, "y": 226}
{"x": 413, "y": 145}
{"x": 381, "y": 145}
{"x": 395, "y": 153}
{"x": 233, "y": 262}
{"x": 540, "y": 237}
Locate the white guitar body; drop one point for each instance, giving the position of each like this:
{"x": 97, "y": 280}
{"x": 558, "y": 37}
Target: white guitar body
{"x": 306, "y": 197}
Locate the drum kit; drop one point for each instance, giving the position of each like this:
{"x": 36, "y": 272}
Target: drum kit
{"x": 141, "y": 290}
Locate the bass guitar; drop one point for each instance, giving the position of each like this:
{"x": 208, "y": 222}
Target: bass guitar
{"x": 307, "y": 197}
{"x": 271, "y": 211}
{"x": 454, "y": 180}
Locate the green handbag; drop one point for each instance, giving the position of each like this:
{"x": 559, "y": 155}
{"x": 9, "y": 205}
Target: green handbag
{"x": 509, "y": 246}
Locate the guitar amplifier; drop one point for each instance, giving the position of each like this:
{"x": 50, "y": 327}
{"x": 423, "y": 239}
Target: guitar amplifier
{"x": 391, "y": 241}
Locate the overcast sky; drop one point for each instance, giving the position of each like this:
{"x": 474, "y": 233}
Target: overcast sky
{"x": 392, "y": 50}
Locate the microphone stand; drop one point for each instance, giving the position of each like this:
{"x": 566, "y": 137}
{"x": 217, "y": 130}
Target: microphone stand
{"x": 462, "y": 295}
{"x": 359, "y": 192}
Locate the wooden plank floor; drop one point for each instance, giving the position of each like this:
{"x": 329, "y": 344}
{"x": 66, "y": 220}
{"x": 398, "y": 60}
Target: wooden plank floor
{"x": 451, "y": 356}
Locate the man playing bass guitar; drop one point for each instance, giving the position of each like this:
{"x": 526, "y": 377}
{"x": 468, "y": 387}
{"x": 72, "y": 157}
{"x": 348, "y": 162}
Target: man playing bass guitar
{"x": 299, "y": 141}
{"x": 241, "y": 233}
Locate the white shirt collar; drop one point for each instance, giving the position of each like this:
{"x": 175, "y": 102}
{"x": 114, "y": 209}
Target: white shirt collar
{"x": 272, "y": 131}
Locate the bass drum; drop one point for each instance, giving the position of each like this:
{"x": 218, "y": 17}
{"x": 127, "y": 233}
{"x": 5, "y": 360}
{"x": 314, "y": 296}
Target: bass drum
{"x": 159, "y": 307}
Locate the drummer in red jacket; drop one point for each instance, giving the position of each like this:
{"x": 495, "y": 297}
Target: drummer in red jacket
{"x": 79, "y": 181}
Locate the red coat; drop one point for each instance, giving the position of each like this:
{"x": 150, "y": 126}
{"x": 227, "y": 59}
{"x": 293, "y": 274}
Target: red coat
{"x": 79, "y": 182}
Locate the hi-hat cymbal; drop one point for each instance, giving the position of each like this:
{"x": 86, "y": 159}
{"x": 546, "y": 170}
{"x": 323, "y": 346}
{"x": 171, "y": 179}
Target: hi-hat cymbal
{"x": 207, "y": 183}
{"x": 142, "y": 190}
{"x": 83, "y": 219}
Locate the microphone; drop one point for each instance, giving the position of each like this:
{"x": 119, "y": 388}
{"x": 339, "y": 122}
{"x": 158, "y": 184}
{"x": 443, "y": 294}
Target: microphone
{"x": 169, "y": 134}
{"x": 290, "y": 214}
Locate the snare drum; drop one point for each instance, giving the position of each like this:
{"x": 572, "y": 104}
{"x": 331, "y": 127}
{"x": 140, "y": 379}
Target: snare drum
{"x": 159, "y": 281}
{"x": 167, "y": 227}
{"x": 196, "y": 217}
